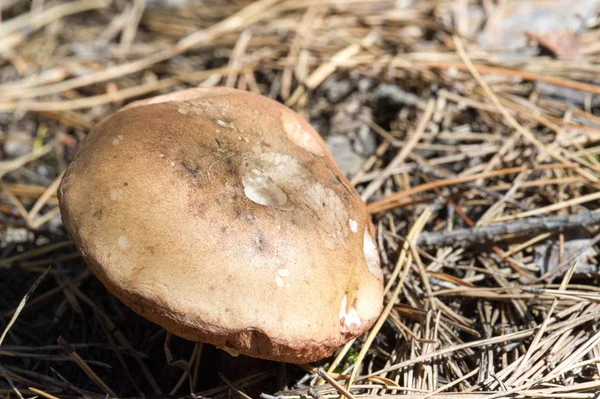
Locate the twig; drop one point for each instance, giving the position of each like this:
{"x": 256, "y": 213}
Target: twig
{"x": 496, "y": 232}
{"x": 343, "y": 391}
{"x": 495, "y": 249}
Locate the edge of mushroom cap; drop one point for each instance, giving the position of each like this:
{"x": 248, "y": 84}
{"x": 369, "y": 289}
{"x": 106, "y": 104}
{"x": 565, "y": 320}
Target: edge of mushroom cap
{"x": 258, "y": 344}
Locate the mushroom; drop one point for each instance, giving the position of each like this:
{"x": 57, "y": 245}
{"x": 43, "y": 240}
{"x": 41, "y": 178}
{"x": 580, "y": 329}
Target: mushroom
{"x": 221, "y": 216}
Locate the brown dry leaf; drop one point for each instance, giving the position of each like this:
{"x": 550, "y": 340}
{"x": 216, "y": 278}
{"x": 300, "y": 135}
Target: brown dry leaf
{"x": 562, "y": 43}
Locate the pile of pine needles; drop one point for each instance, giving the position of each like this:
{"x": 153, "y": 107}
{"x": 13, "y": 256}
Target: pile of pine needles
{"x": 480, "y": 168}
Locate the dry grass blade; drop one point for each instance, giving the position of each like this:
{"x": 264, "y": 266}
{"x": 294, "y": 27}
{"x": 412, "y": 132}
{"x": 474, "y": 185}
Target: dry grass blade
{"x": 89, "y": 102}
{"x": 85, "y": 367}
{"x": 15, "y": 315}
{"x": 14, "y": 164}
{"x": 550, "y": 208}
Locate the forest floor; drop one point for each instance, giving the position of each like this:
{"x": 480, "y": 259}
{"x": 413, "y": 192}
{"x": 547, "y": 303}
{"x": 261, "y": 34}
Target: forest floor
{"x": 470, "y": 128}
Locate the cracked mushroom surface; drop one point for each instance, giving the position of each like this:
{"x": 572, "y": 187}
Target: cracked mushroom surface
{"x": 221, "y": 216}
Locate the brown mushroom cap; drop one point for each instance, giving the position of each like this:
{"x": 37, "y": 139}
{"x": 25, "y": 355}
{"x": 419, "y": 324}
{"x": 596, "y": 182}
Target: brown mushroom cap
{"x": 221, "y": 216}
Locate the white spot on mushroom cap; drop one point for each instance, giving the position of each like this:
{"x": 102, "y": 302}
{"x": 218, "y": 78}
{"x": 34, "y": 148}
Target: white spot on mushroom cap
{"x": 223, "y": 123}
{"x": 283, "y": 272}
{"x": 261, "y": 189}
{"x": 371, "y": 254}
{"x": 117, "y": 194}
{"x": 349, "y": 319}
{"x": 118, "y": 139}
{"x": 279, "y": 281}
{"x": 299, "y": 136}
{"x": 123, "y": 242}
{"x": 353, "y": 225}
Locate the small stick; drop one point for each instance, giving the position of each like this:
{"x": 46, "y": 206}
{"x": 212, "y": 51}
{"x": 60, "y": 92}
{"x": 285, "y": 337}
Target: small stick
{"x": 493, "y": 233}
{"x": 470, "y": 223}
{"x": 343, "y": 391}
